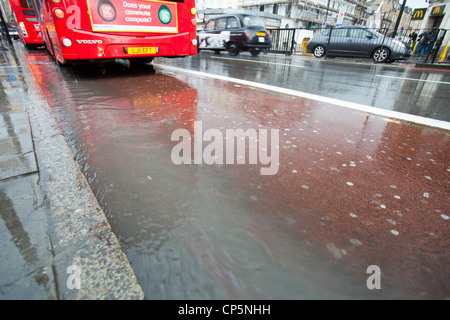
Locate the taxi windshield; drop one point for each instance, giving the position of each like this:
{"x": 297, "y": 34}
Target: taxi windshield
{"x": 253, "y": 21}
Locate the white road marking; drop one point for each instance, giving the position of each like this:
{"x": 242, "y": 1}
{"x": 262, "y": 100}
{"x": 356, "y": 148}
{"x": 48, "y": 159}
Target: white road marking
{"x": 345, "y": 104}
{"x": 260, "y": 61}
{"x": 413, "y": 79}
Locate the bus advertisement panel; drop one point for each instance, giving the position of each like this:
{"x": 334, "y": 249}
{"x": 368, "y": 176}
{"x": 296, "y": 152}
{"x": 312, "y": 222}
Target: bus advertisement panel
{"x": 27, "y": 23}
{"x": 138, "y": 30}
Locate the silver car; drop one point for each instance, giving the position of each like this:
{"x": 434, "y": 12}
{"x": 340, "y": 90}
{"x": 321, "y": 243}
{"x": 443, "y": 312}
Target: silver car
{"x": 354, "y": 41}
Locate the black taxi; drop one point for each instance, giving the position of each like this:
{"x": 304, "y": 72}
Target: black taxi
{"x": 235, "y": 33}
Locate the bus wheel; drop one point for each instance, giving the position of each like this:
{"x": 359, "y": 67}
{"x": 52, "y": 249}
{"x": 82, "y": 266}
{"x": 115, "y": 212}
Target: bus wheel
{"x": 47, "y": 48}
{"x": 233, "y": 49}
{"x": 60, "y": 64}
{"x": 140, "y": 61}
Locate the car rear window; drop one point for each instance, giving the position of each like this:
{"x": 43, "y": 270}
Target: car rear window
{"x": 253, "y": 21}
{"x": 335, "y": 32}
{"x": 221, "y": 23}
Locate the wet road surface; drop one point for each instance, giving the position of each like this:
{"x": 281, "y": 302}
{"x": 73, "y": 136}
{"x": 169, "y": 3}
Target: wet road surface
{"x": 352, "y": 189}
{"x": 397, "y": 87}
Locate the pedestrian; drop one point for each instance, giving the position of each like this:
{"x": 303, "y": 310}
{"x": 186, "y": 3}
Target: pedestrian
{"x": 419, "y": 42}
{"x": 424, "y": 44}
{"x": 294, "y": 46}
{"x": 436, "y": 46}
{"x": 412, "y": 39}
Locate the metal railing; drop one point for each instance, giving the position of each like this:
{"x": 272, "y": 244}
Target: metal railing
{"x": 282, "y": 40}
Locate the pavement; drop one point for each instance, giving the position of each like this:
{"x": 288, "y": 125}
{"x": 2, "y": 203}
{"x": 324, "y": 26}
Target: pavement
{"x": 56, "y": 243}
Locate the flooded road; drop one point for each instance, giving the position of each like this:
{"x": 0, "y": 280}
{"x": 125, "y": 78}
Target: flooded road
{"x": 351, "y": 191}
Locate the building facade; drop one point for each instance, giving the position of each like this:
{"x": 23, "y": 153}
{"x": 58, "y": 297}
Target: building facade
{"x": 383, "y": 14}
{"x": 437, "y": 15}
{"x": 323, "y": 13}
{"x": 312, "y": 13}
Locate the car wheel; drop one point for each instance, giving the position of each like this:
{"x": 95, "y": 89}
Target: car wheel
{"x": 319, "y": 51}
{"x": 233, "y": 49}
{"x": 380, "y": 55}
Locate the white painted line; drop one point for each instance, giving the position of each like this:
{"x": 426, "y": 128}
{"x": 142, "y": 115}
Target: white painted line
{"x": 350, "y": 105}
{"x": 412, "y": 79}
{"x": 260, "y": 61}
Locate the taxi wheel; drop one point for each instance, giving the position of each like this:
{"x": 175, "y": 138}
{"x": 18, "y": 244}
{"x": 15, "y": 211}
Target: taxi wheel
{"x": 255, "y": 52}
{"x": 233, "y": 49}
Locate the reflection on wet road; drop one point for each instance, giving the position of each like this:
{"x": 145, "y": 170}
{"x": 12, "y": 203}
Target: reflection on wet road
{"x": 352, "y": 190}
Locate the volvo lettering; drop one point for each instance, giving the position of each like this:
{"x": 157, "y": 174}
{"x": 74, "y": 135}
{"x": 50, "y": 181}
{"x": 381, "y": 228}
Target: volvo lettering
{"x": 90, "y": 41}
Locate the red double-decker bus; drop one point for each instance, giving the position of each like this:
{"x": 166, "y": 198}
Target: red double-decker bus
{"x": 27, "y": 23}
{"x": 137, "y": 30}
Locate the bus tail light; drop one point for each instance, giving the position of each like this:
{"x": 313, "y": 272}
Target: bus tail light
{"x": 194, "y": 42}
{"x": 22, "y": 28}
{"x": 56, "y": 1}
{"x": 59, "y": 13}
{"x": 194, "y": 22}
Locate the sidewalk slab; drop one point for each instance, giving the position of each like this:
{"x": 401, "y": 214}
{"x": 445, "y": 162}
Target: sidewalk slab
{"x": 25, "y": 254}
{"x": 50, "y": 222}
{"x": 25, "y": 251}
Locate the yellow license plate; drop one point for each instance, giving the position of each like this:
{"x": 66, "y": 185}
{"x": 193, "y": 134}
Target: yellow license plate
{"x": 141, "y": 50}
{"x": 261, "y": 34}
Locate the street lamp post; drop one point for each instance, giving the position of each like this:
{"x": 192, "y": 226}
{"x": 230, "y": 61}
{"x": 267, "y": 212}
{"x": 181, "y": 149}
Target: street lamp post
{"x": 399, "y": 18}
{"x": 326, "y": 15}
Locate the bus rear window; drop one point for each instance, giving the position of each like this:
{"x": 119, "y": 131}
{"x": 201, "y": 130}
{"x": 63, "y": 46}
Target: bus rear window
{"x": 26, "y": 4}
{"x": 29, "y": 13}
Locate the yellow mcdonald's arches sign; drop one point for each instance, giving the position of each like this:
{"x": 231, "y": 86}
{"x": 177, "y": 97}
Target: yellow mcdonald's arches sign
{"x": 418, "y": 14}
{"x": 437, "y": 11}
